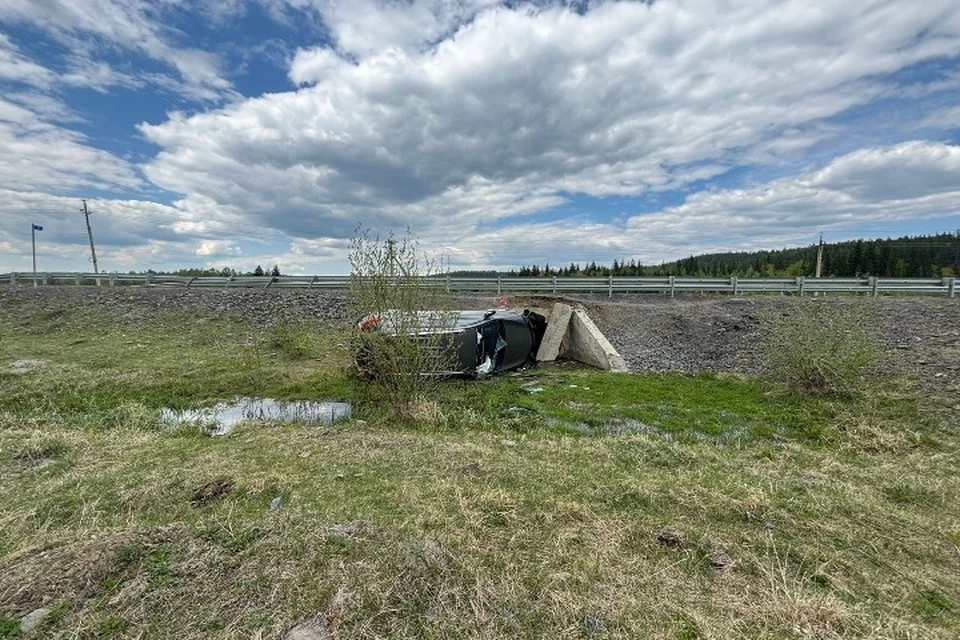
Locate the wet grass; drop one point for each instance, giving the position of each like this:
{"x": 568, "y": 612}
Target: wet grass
{"x": 530, "y": 505}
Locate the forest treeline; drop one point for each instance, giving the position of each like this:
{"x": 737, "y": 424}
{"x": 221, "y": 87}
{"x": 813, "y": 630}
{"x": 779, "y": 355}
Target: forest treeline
{"x": 906, "y": 257}
{"x": 198, "y": 272}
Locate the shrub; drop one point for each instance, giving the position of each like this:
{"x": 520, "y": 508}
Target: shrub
{"x": 818, "y": 347}
{"x": 402, "y": 294}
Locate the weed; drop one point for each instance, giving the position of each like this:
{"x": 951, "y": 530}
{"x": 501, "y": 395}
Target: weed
{"x": 293, "y": 340}
{"x": 930, "y": 603}
{"x": 819, "y": 348}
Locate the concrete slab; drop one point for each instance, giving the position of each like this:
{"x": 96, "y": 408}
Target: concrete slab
{"x": 586, "y": 343}
{"x": 557, "y": 326}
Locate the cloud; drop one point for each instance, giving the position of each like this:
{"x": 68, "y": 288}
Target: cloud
{"x": 90, "y": 29}
{"x": 15, "y": 67}
{"x": 482, "y": 126}
{"x": 38, "y": 155}
{"x": 533, "y": 104}
{"x": 210, "y": 248}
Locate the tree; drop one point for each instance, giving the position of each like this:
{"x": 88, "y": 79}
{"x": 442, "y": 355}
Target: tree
{"x": 275, "y": 271}
{"x": 258, "y": 271}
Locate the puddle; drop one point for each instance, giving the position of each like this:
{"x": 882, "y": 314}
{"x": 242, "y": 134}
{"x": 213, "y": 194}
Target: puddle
{"x": 223, "y": 417}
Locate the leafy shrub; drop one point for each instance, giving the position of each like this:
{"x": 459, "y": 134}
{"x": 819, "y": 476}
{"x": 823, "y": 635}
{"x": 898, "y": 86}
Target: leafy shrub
{"x": 399, "y": 293}
{"x": 819, "y": 348}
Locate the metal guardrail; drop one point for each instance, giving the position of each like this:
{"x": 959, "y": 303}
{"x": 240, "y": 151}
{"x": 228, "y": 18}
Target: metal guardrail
{"x": 608, "y": 285}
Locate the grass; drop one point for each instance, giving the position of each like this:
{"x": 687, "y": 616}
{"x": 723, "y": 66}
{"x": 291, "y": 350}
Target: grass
{"x": 528, "y": 505}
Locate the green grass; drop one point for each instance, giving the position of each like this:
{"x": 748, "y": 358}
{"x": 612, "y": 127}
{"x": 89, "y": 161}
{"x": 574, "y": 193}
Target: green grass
{"x": 528, "y": 506}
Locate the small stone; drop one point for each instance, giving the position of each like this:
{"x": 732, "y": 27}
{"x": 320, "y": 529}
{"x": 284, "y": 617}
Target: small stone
{"x": 473, "y": 470}
{"x": 309, "y": 631}
{"x": 593, "y": 624}
{"x": 720, "y": 560}
{"x": 670, "y": 539}
{"x": 275, "y": 503}
{"x": 348, "y": 529}
{"x": 508, "y": 443}
{"x": 33, "y": 620}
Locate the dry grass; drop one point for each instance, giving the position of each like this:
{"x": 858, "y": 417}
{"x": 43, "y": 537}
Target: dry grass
{"x": 470, "y": 520}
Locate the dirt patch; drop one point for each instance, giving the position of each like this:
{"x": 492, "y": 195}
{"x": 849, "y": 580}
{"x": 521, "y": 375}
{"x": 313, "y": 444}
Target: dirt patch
{"x": 42, "y": 577}
{"x": 211, "y": 492}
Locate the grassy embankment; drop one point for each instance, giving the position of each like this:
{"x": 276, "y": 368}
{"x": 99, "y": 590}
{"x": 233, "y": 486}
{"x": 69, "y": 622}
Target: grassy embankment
{"x": 516, "y": 513}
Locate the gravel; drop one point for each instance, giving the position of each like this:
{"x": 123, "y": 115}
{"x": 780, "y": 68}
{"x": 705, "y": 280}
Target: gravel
{"x": 653, "y": 333}
{"x": 134, "y": 304}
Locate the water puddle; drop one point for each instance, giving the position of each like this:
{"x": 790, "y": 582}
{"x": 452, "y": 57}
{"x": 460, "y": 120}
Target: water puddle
{"x": 220, "y": 419}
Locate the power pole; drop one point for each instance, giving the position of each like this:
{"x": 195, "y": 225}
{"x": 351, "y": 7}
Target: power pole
{"x": 93, "y": 251}
{"x": 820, "y": 257}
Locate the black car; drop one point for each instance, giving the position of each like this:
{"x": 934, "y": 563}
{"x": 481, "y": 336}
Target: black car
{"x": 478, "y": 343}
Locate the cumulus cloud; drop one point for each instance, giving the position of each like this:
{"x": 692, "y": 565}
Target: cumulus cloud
{"x": 210, "y": 248}
{"x": 474, "y": 122}
{"x": 530, "y": 104}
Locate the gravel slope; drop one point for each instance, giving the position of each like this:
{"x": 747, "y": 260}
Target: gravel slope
{"x": 653, "y": 333}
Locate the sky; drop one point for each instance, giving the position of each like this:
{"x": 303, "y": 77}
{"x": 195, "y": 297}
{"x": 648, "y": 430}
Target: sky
{"x": 232, "y": 133}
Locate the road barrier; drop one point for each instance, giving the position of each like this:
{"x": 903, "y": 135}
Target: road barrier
{"x": 609, "y": 285}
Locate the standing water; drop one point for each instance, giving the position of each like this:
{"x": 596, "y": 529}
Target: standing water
{"x": 224, "y": 416}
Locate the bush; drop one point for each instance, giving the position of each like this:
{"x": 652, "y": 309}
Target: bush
{"x": 403, "y": 294}
{"x": 819, "y": 348}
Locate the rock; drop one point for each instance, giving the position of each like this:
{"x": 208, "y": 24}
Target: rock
{"x": 670, "y": 539}
{"x": 593, "y": 624}
{"x": 720, "y": 560}
{"x": 275, "y": 503}
{"x": 309, "y": 631}
{"x": 347, "y": 530}
{"x": 33, "y": 620}
{"x": 25, "y": 366}
{"x": 473, "y": 470}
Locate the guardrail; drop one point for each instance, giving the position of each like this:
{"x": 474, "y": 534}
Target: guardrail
{"x": 608, "y": 285}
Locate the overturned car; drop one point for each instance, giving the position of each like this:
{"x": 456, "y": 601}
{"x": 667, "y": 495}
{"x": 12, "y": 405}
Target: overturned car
{"x": 468, "y": 343}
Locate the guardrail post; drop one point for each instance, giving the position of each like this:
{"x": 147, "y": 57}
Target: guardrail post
{"x": 951, "y": 287}
{"x": 673, "y": 286}
{"x": 498, "y": 284}
{"x": 610, "y": 286}
{"x": 13, "y": 279}
{"x": 873, "y": 286}
{"x": 113, "y": 280}
{"x": 800, "y": 286}
{"x": 310, "y": 286}
{"x": 147, "y": 279}
{"x": 554, "y": 285}
{"x": 735, "y": 284}
{"x": 448, "y": 283}
{"x": 76, "y": 279}
{"x": 46, "y": 279}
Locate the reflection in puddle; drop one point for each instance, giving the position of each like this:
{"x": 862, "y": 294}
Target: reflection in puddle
{"x": 223, "y": 417}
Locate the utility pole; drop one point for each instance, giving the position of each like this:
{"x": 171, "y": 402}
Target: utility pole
{"x": 820, "y": 257}
{"x": 93, "y": 251}
{"x": 33, "y": 241}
